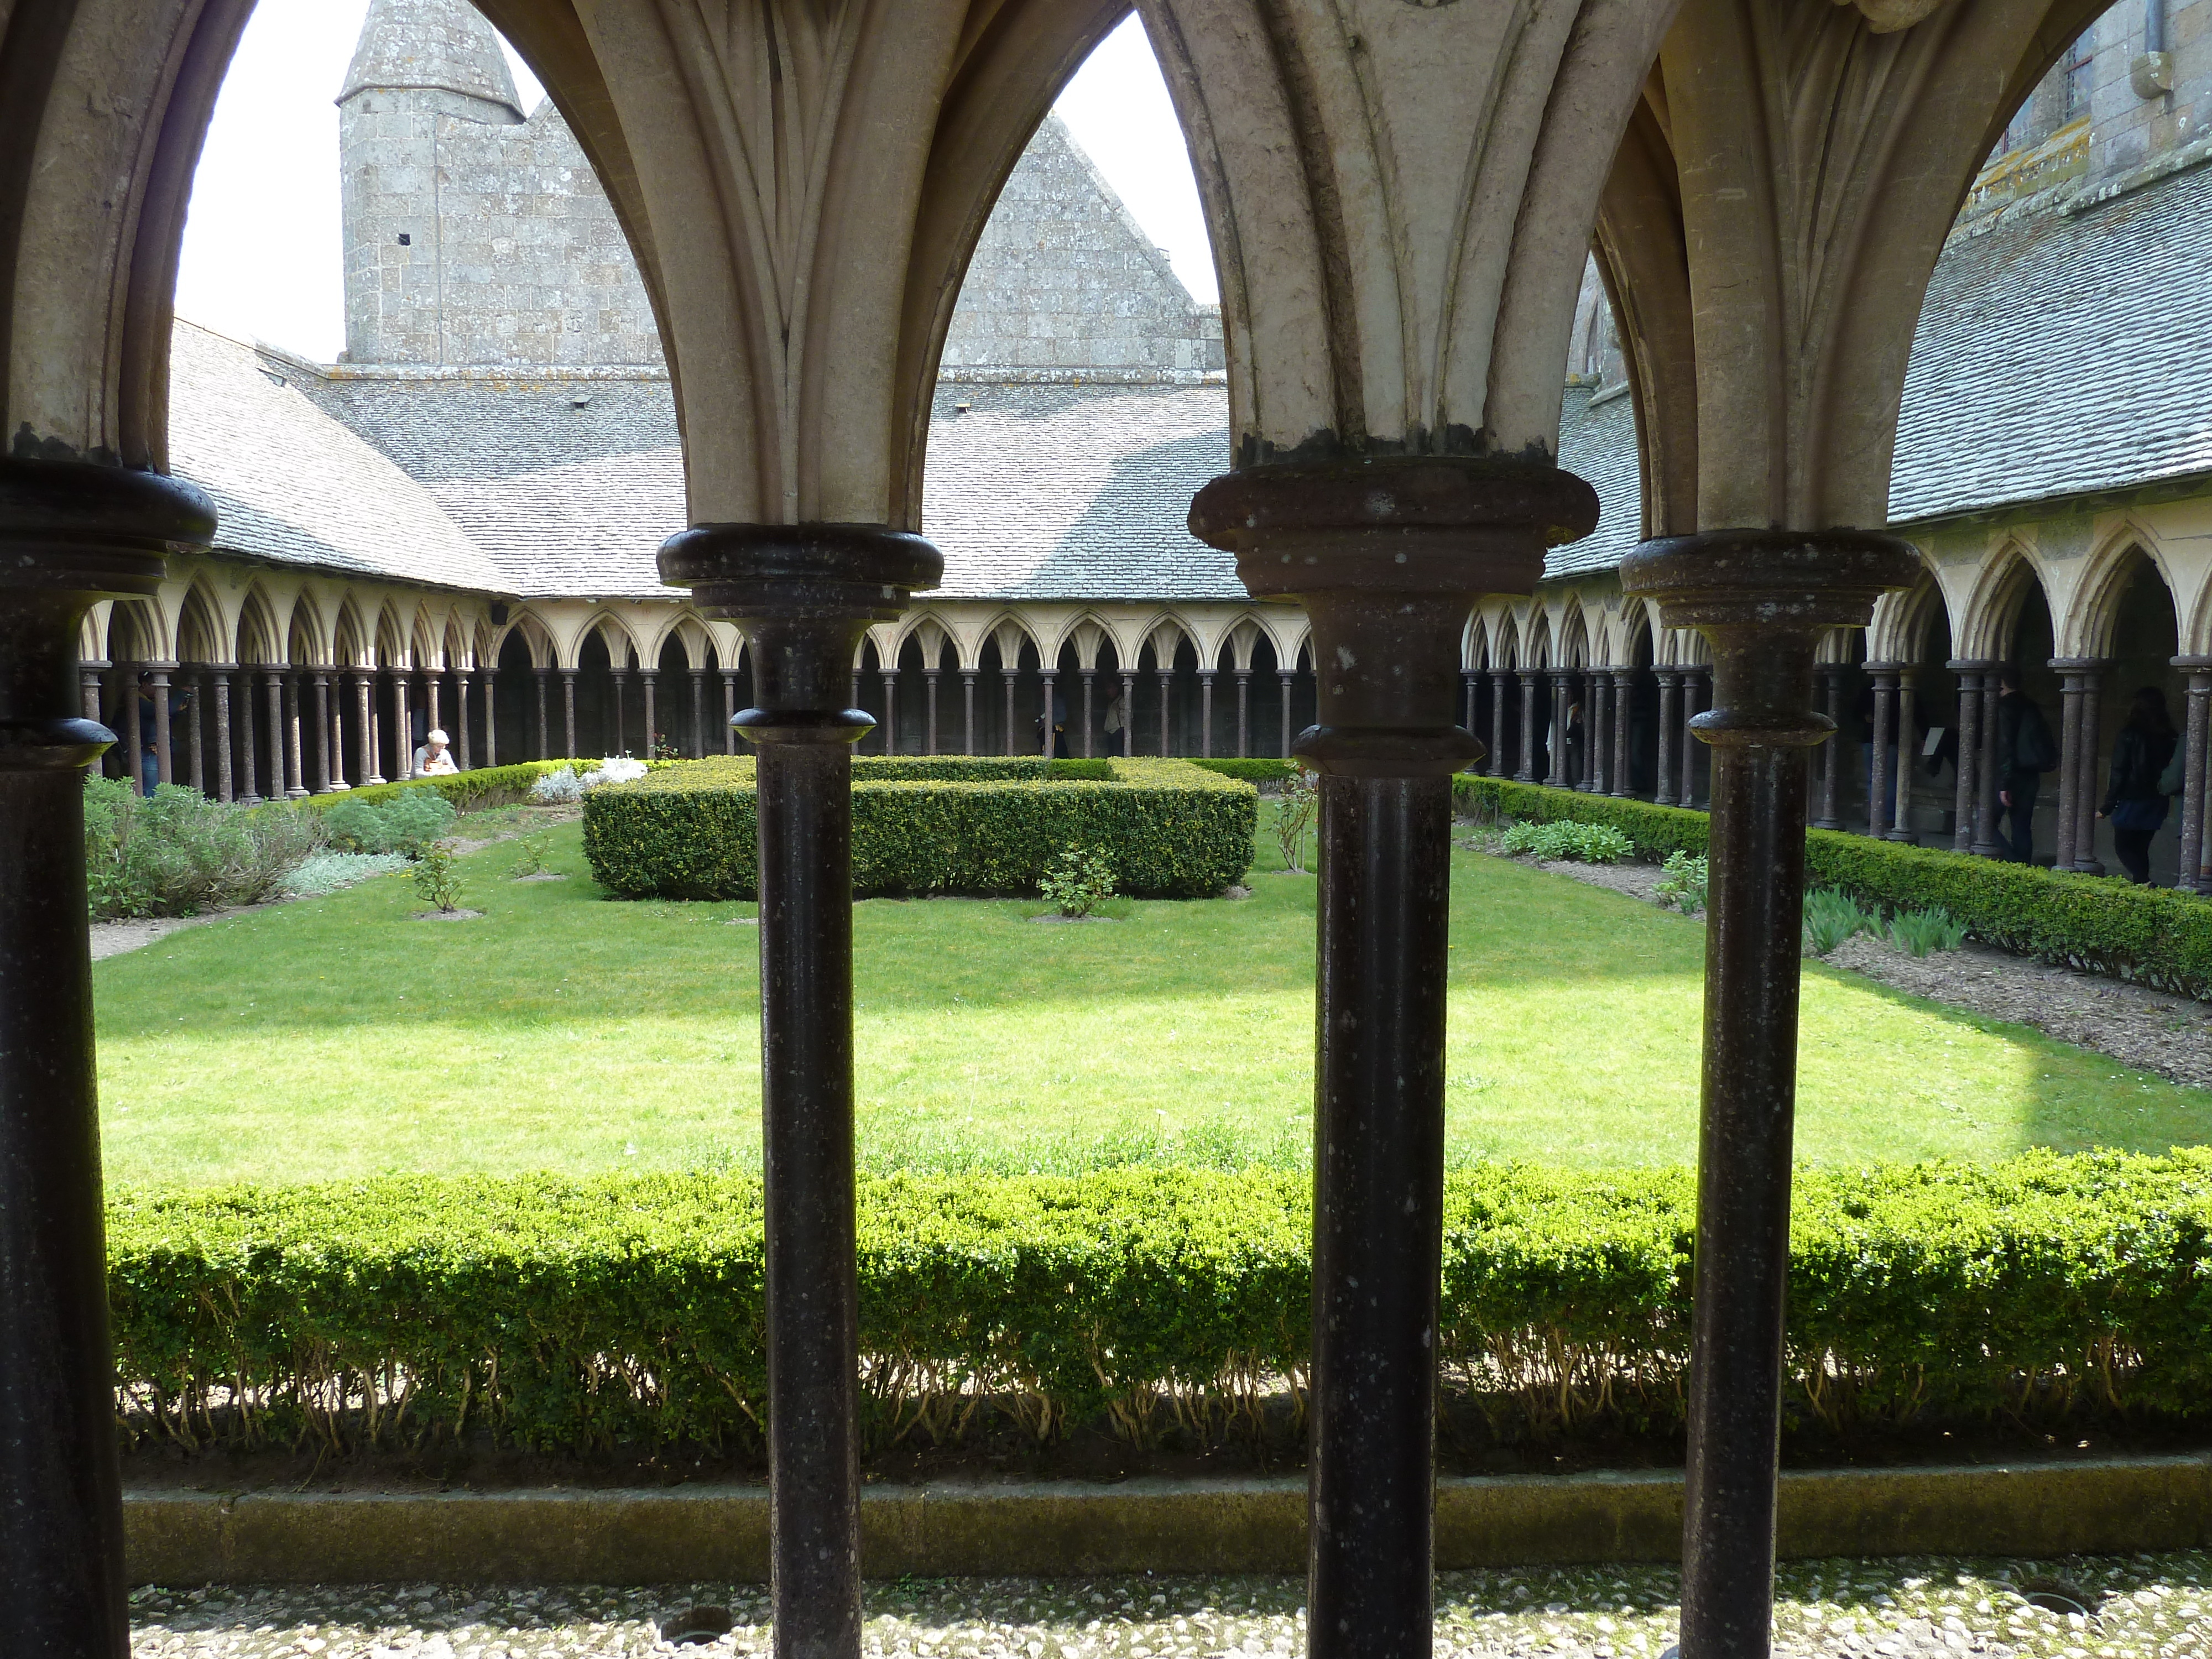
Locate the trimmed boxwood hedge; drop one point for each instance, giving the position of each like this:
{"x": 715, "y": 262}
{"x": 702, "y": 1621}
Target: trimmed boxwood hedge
{"x": 484, "y": 785}
{"x": 949, "y": 824}
{"x": 1260, "y": 769}
{"x": 2101, "y": 923}
{"x": 568, "y": 1316}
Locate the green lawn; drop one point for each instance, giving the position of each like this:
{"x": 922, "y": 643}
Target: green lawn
{"x": 338, "y": 1037}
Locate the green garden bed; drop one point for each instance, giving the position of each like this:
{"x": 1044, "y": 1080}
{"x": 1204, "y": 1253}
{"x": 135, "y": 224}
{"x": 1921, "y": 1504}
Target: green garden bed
{"x": 569, "y": 1316}
{"x": 950, "y": 824}
{"x": 2153, "y": 935}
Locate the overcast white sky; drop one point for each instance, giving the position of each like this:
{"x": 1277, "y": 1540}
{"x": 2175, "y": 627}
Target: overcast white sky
{"x": 261, "y": 254}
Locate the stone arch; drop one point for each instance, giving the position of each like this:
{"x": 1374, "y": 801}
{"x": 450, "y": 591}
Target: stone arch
{"x": 1999, "y": 595}
{"x": 200, "y": 627}
{"x": 2090, "y": 625}
{"x": 1576, "y": 648}
{"x": 304, "y": 635}
{"x": 537, "y": 638}
{"x": 1539, "y": 652}
{"x": 1902, "y": 617}
{"x": 261, "y": 640}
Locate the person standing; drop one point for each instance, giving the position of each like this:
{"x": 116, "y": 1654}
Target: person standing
{"x": 2025, "y": 751}
{"x": 2133, "y": 800}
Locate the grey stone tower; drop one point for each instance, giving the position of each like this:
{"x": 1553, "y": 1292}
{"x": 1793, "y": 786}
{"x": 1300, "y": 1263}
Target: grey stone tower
{"x": 473, "y": 237}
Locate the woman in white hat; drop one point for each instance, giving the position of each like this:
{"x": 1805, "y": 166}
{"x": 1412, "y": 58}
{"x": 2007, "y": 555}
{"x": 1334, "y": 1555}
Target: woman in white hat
{"x": 434, "y": 756}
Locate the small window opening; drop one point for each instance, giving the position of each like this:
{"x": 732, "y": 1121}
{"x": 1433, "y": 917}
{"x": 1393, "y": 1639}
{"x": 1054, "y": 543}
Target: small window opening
{"x": 405, "y": 240}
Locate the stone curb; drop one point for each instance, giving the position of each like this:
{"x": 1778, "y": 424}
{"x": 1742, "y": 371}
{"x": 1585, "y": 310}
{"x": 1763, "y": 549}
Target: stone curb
{"x": 719, "y": 1533}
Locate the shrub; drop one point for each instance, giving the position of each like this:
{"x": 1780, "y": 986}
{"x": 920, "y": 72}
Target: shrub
{"x": 1169, "y": 829}
{"x": 615, "y": 768}
{"x": 438, "y": 877}
{"x": 327, "y": 872}
{"x": 531, "y": 853}
{"x": 569, "y": 1316}
{"x": 1294, "y": 813}
{"x": 1682, "y": 884}
{"x": 1079, "y": 882}
{"x": 1587, "y": 843}
{"x": 1832, "y": 917}
{"x": 1919, "y": 931}
{"x": 408, "y": 824}
{"x": 2103, "y": 924}
{"x": 557, "y": 786}
{"x": 176, "y": 852}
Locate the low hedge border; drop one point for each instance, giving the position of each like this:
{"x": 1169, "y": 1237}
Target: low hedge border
{"x": 2101, "y": 924}
{"x": 1261, "y": 769}
{"x": 947, "y": 824}
{"x": 469, "y": 790}
{"x": 571, "y": 1315}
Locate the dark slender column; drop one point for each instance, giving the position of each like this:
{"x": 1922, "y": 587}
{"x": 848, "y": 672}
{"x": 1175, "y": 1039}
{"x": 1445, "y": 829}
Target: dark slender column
{"x": 322, "y": 719}
{"x": 1692, "y": 702}
{"x": 1831, "y": 685}
{"x": 1167, "y": 706}
{"x": 1244, "y": 713}
{"x": 195, "y": 748}
{"x": 650, "y": 679}
{"x": 1007, "y": 675}
{"x": 69, "y": 534}
{"x": 1985, "y": 812}
{"x": 545, "y": 727}
{"x": 1128, "y": 714}
{"x": 433, "y": 705}
{"x": 929, "y": 677}
{"x": 1670, "y": 700}
{"x": 225, "y": 786}
{"x": 806, "y": 593}
{"x": 620, "y": 746}
{"x": 364, "y": 691}
{"x": 249, "y": 795}
{"x": 1525, "y": 771}
{"x": 569, "y": 709}
{"x": 2196, "y": 729}
{"x": 967, "y": 711}
{"x": 1624, "y": 692}
{"x": 284, "y": 700}
{"x": 698, "y": 712}
{"x": 1763, "y": 600}
{"x": 1969, "y": 672}
{"x": 1597, "y": 732}
{"x": 1046, "y": 744}
{"x": 490, "y": 721}
{"x": 1494, "y": 762}
{"x": 134, "y": 737}
{"x": 890, "y": 711}
{"x": 89, "y": 676}
{"x": 1206, "y": 713}
{"x": 463, "y": 754}
{"x": 2070, "y": 750}
{"x": 1286, "y": 676}
{"x": 2086, "y": 789}
{"x": 1089, "y": 722}
{"x": 164, "y": 763}
{"x": 1469, "y": 680}
{"x": 729, "y": 712}
{"x": 1900, "y": 827}
{"x": 1387, "y": 558}
{"x": 1879, "y": 807}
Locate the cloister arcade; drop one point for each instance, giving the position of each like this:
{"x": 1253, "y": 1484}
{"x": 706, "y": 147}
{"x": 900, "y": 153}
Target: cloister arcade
{"x": 364, "y": 672}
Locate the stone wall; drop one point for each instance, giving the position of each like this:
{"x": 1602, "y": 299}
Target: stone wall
{"x": 474, "y": 237}
{"x": 1063, "y": 281}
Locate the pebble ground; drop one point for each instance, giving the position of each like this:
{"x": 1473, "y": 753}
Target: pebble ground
{"x": 2140, "y": 1607}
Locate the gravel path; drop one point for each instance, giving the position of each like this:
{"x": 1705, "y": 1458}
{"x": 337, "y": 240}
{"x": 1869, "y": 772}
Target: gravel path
{"x": 2169, "y": 1035}
{"x": 2140, "y": 1607}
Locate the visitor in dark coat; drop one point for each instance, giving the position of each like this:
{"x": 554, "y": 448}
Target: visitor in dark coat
{"x": 2132, "y": 799}
{"x": 2025, "y": 751}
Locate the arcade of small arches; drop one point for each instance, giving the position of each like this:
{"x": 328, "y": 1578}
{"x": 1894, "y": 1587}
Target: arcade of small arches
{"x": 2085, "y": 617}
{"x": 267, "y": 686}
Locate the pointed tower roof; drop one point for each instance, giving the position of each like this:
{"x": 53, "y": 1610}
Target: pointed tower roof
{"x": 432, "y": 45}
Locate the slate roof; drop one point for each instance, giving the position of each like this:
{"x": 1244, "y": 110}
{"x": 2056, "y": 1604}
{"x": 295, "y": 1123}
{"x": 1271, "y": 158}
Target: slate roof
{"x": 1597, "y": 443}
{"x": 292, "y": 485}
{"x": 1048, "y": 491}
{"x": 562, "y": 500}
{"x": 2061, "y": 355}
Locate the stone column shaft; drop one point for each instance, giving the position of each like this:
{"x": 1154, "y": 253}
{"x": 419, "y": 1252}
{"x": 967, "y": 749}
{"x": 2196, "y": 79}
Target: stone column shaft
{"x": 1525, "y": 772}
{"x": 1244, "y": 713}
{"x": 1494, "y": 765}
{"x": 929, "y": 698}
{"x": 2196, "y": 729}
{"x": 1284, "y": 676}
{"x": 165, "y": 767}
{"x": 1879, "y": 806}
{"x": 1624, "y": 691}
{"x": 2088, "y": 790}
{"x": 1987, "y": 769}
{"x": 1206, "y": 713}
{"x": 1969, "y": 672}
{"x": 1900, "y": 828}
{"x": 569, "y": 708}
{"x": 1089, "y": 722}
{"x": 889, "y": 676}
{"x": 1670, "y": 709}
{"x": 1831, "y": 685}
{"x": 967, "y": 712}
{"x": 1167, "y": 699}
{"x": 490, "y": 720}
{"x": 1128, "y": 714}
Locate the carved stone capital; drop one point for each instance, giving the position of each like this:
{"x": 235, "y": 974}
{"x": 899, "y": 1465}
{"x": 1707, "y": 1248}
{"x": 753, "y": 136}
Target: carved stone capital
{"x": 804, "y": 595}
{"x": 1387, "y": 553}
{"x": 1764, "y": 599}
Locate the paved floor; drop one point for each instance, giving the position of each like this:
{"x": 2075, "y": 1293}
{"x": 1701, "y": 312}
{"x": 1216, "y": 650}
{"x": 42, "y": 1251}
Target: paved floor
{"x": 2142, "y": 1606}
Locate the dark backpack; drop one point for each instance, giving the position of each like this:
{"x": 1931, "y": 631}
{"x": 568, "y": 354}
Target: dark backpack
{"x": 2032, "y": 747}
